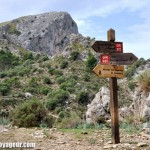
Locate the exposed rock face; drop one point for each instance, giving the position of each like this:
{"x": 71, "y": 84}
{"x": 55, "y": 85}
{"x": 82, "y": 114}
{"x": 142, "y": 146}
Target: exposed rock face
{"x": 47, "y": 33}
{"x": 98, "y": 110}
{"x": 139, "y": 109}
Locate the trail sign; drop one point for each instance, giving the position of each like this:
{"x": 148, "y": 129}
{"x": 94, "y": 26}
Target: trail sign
{"x": 108, "y": 47}
{"x": 112, "y": 56}
{"x": 118, "y": 59}
{"x": 108, "y": 71}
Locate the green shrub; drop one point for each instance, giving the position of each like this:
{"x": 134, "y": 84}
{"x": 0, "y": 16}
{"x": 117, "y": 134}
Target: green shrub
{"x": 5, "y": 102}
{"x": 56, "y": 98}
{"x": 58, "y": 72}
{"x": 4, "y": 121}
{"x": 74, "y": 55}
{"x": 4, "y": 89}
{"x": 12, "y": 29}
{"x": 31, "y": 114}
{"x": 8, "y": 60}
{"x": 60, "y": 79}
{"x": 131, "y": 69}
{"x": 86, "y": 77}
{"x": 91, "y": 61}
{"x": 13, "y": 82}
{"x": 69, "y": 84}
{"x": 144, "y": 81}
{"x": 83, "y": 97}
{"x": 63, "y": 64}
{"x": 68, "y": 119}
{"x": 131, "y": 85}
{"x": 28, "y": 55}
{"x": 44, "y": 90}
{"x": 33, "y": 82}
{"x": 47, "y": 80}
{"x": 51, "y": 71}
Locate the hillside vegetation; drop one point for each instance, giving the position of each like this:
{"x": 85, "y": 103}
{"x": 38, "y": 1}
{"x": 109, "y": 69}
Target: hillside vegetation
{"x": 59, "y": 86}
{"x": 55, "y": 91}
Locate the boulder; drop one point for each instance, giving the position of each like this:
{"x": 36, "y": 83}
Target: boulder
{"x": 98, "y": 110}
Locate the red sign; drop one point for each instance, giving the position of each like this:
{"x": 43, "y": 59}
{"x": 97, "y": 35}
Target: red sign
{"x": 105, "y": 59}
{"x": 119, "y": 46}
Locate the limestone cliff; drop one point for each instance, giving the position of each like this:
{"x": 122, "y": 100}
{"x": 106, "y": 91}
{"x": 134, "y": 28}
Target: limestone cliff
{"x": 47, "y": 33}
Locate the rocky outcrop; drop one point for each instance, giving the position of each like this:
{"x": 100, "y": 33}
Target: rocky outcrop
{"x": 98, "y": 110}
{"x": 48, "y": 33}
{"x": 139, "y": 110}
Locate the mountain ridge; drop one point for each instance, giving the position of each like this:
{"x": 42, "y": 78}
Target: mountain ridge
{"x": 48, "y": 33}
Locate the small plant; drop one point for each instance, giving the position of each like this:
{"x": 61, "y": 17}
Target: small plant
{"x": 92, "y": 141}
{"x": 83, "y": 97}
{"x": 56, "y": 98}
{"x": 12, "y": 29}
{"x": 4, "y": 89}
{"x": 144, "y": 81}
{"x": 74, "y": 55}
{"x": 47, "y": 80}
{"x": 130, "y": 128}
{"x": 91, "y": 61}
{"x": 86, "y": 77}
{"x": 4, "y": 121}
{"x": 60, "y": 79}
{"x": 63, "y": 64}
{"x": 131, "y": 85}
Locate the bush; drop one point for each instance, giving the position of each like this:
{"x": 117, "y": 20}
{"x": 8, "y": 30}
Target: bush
{"x": 60, "y": 79}
{"x": 47, "y": 80}
{"x": 8, "y": 60}
{"x": 44, "y": 90}
{"x": 12, "y": 29}
{"x": 14, "y": 82}
{"x": 131, "y": 85}
{"x": 91, "y": 61}
{"x": 4, "y": 89}
{"x": 69, "y": 84}
{"x": 131, "y": 70}
{"x": 5, "y": 102}
{"x": 56, "y": 98}
{"x": 144, "y": 81}
{"x": 28, "y": 55}
{"x": 74, "y": 55}
{"x": 30, "y": 114}
{"x": 68, "y": 119}
{"x": 86, "y": 77}
{"x": 83, "y": 97}
{"x": 63, "y": 64}
{"x": 33, "y": 82}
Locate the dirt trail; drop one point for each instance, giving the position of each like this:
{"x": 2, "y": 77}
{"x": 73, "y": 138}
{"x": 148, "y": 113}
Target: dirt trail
{"x": 75, "y": 139}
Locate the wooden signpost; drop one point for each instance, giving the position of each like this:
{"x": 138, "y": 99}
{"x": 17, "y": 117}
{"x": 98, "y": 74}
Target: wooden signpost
{"x": 118, "y": 59}
{"x": 110, "y": 59}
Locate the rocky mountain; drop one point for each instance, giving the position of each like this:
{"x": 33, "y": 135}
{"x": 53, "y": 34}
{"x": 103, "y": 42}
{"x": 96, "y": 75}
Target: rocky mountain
{"x": 48, "y": 33}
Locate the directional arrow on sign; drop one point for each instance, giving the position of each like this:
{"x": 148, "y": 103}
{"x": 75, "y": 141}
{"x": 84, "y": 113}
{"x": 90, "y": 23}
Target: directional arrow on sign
{"x": 108, "y": 71}
{"x": 108, "y": 47}
{"x": 118, "y": 59}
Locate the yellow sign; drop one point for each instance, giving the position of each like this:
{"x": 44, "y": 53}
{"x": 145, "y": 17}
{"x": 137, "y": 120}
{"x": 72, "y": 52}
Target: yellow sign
{"x": 109, "y": 71}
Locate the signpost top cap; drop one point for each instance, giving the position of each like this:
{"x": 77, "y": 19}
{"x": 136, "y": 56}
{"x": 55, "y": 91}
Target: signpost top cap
{"x": 111, "y": 35}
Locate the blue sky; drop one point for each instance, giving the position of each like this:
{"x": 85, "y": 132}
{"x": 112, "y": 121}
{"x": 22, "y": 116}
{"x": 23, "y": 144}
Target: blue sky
{"x": 129, "y": 18}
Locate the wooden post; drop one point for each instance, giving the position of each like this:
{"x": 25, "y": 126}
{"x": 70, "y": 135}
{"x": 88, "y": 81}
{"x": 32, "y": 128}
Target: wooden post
{"x": 113, "y": 99}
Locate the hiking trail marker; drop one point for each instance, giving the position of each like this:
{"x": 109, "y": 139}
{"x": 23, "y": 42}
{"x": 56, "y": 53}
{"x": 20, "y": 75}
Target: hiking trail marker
{"x": 110, "y": 60}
